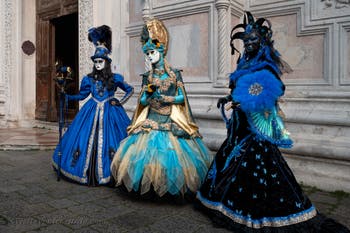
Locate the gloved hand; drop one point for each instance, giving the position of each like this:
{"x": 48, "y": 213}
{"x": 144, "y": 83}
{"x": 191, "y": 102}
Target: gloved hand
{"x": 114, "y": 102}
{"x": 151, "y": 88}
{"x": 223, "y": 100}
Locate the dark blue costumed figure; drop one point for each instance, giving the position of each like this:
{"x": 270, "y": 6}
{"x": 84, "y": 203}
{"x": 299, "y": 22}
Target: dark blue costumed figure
{"x": 249, "y": 186}
{"x": 88, "y": 146}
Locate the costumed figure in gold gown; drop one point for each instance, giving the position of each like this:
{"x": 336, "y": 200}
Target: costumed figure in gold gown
{"x": 164, "y": 152}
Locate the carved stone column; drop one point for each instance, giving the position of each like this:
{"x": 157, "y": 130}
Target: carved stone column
{"x": 146, "y": 11}
{"x": 85, "y": 47}
{"x": 147, "y": 15}
{"x": 10, "y": 80}
{"x": 6, "y": 59}
{"x": 222, "y": 7}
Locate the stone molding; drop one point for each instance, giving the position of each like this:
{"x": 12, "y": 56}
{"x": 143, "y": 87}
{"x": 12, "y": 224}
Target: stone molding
{"x": 146, "y": 11}
{"x": 314, "y": 17}
{"x": 344, "y": 54}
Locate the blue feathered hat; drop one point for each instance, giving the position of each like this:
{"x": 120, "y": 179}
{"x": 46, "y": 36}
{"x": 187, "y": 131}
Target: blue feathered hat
{"x": 101, "y": 52}
{"x": 101, "y": 37}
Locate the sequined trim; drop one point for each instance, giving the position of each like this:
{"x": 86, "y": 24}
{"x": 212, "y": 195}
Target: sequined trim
{"x": 168, "y": 99}
{"x": 163, "y": 110}
{"x": 100, "y": 141}
{"x": 164, "y": 85}
{"x": 98, "y": 114}
{"x": 255, "y": 89}
{"x": 259, "y": 223}
{"x": 82, "y": 180}
{"x": 91, "y": 140}
{"x": 180, "y": 84}
{"x": 158, "y": 72}
{"x": 150, "y": 124}
{"x": 70, "y": 176}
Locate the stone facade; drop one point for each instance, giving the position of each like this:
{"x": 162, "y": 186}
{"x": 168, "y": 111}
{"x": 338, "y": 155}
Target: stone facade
{"x": 313, "y": 36}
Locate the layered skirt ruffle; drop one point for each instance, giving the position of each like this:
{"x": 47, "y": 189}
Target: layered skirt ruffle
{"x": 160, "y": 161}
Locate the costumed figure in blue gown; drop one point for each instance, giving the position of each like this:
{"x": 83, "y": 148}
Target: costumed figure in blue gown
{"x": 88, "y": 145}
{"x": 164, "y": 152}
{"x": 249, "y": 186}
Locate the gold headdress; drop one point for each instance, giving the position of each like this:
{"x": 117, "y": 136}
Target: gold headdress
{"x": 155, "y": 30}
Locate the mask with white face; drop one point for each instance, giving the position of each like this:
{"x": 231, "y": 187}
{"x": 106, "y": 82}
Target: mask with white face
{"x": 153, "y": 56}
{"x": 99, "y": 63}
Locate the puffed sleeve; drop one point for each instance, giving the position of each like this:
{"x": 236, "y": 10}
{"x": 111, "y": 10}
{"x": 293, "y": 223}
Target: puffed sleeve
{"x": 179, "y": 97}
{"x": 84, "y": 91}
{"x": 129, "y": 90}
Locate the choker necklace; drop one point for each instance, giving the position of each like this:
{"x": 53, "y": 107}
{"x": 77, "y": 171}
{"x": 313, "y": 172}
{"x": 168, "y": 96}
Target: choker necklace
{"x": 158, "y": 72}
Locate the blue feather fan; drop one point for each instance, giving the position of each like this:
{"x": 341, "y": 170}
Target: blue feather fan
{"x": 257, "y": 91}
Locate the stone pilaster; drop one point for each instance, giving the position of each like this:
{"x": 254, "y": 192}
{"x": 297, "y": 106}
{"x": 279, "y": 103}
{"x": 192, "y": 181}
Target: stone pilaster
{"x": 146, "y": 11}
{"x": 222, "y": 7}
{"x": 85, "y": 47}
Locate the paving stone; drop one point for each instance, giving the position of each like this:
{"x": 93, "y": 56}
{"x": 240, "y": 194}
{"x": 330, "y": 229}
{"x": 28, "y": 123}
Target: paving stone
{"x": 31, "y": 190}
{"x": 211, "y": 229}
{"x": 110, "y": 213}
{"x": 134, "y": 220}
{"x": 25, "y": 210}
{"x": 55, "y": 228}
{"x": 78, "y": 222}
{"x": 11, "y": 188}
{"x": 86, "y": 230}
{"x": 21, "y": 224}
{"x": 110, "y": 227}
{"x": 322, "y": 197}
{"x": 5, "y": 197}
{"x": 56, "y": 217}
{"x": 174, "y": 224}
{"x": 62, "y": 203}
{"x": 87, "y": 197}
{"x": 86, "y": 208}
{"x": 39, "y": 198}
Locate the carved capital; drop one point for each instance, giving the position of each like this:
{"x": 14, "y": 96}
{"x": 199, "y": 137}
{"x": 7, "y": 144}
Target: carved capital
{"x": 222, "y": 4}
{"x": 146, "y": 11}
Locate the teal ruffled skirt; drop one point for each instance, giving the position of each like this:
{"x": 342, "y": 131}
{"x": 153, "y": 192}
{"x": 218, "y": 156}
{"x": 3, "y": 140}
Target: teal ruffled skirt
{"x": 161, "y": 161}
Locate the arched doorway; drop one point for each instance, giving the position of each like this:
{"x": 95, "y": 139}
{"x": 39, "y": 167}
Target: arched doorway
{"x": 57, "y": 39}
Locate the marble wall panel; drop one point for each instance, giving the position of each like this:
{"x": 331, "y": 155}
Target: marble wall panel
{"x": 136, "y": 60}
{"x": 135, "y": 10}
{"x": 305, "y": 54}
{"x": 188, "y": 45}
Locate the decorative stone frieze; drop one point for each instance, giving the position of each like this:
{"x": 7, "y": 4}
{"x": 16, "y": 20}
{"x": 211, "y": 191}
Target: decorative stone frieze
{"x": 85, "y": 47}
{"x": 6, "y": 46}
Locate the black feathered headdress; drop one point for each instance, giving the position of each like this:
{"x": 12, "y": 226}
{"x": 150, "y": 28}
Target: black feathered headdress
{"x": 249, "y": 26}
{"x": 101, "y": 36}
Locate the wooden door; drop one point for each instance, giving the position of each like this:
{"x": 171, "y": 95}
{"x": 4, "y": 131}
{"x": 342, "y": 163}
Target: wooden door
{"x": 48, "y": 11}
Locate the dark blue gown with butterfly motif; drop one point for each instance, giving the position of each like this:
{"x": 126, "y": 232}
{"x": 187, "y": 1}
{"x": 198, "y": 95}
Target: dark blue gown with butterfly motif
{"x": 89, "y": 144}
{"x": 249, "y": 186}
